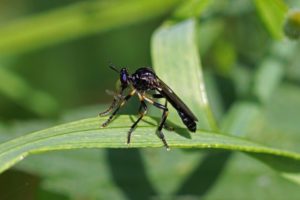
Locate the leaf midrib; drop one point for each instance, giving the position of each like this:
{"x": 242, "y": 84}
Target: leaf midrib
{"x": 247, "y": 146}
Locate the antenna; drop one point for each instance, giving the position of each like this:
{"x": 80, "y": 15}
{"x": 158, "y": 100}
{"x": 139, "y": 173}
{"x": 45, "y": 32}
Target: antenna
{"x": 114, "y": 68}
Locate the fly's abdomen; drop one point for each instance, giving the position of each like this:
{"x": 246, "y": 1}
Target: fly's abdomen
{"x": 189, "y": 122}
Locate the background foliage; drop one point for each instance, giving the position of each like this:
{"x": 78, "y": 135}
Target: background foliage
{"x": 235, "y": 63}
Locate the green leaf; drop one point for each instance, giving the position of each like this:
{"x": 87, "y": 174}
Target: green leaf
{"x": 243, "y": 172}
{"x": 267, "y": 78}
{"x": 175, "y": 54}
{"x": 210, "y": 30}
{"x": 18, "y": 90}
{"x": 76, "y": 20}
{"x": 173, "y": 46}
{"x": 190, "y": 8}
{"x": 279, "y": 123}
{"x": 292, "y": 25}
{"x": 88, "y": 134}
{"x": 272, "y": 13}
{"x": 271, "y": 70}
{"x": 60, "y": 172}
{"x": 239, "y": 119}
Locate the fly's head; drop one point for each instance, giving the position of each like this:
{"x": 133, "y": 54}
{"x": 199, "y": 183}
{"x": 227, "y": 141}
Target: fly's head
{"x": 124, "y": 78}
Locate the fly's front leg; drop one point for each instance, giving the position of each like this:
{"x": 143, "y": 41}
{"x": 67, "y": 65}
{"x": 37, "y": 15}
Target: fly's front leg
{"x": 111, "y": 107}
{"x": 123, "y": 101}
{"x": 117, "y": 98}
{"x": 143, "y": 107}
{"x": 162, "y": 121}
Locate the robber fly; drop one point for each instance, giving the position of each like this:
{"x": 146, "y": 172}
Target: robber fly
{"x": 141, "y": 81}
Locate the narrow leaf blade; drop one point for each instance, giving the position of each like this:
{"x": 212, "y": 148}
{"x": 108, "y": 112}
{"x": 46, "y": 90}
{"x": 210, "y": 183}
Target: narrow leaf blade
{"x": 176, "y": 60}
{"x": 88, "y": 134}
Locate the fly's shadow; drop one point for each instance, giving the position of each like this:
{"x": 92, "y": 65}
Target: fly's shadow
{"x": 169, "y": 126}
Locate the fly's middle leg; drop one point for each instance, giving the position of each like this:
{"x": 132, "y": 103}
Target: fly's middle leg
{"x": 122, "y": 103}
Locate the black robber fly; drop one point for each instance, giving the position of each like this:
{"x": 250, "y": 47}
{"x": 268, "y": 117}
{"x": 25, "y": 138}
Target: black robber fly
{"x": 141, "y": 81}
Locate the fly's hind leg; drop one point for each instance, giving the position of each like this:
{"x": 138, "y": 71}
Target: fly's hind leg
{"x": 162, "y": 124}
{"x": 166, "y": 112}
{"x": 162, "y": 121}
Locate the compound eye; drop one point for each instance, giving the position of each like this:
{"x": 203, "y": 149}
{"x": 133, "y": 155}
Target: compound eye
{"x": 124, "y": 78}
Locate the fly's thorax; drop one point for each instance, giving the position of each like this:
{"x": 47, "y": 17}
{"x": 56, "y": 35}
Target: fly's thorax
{"x": 144, "y": 79}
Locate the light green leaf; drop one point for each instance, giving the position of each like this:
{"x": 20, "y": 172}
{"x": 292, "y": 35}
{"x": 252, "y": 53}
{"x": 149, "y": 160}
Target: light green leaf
{"x": 190, "y": 8}
{"x": 272, "y": 13}
{"x": 271, "y": 70}
{"x": 279, "y": 123}
{"x": 176, "y": 61}
{"x": 88, "y": 134}
{"x": 267, "y": 78}
{"x": 243, "y": 172}
{"x": 58, "y": 169}
{"x": 239, "y": 119}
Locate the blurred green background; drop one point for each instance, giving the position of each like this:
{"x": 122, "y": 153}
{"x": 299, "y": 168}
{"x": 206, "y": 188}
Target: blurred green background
{"x": 53, "y": 69}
